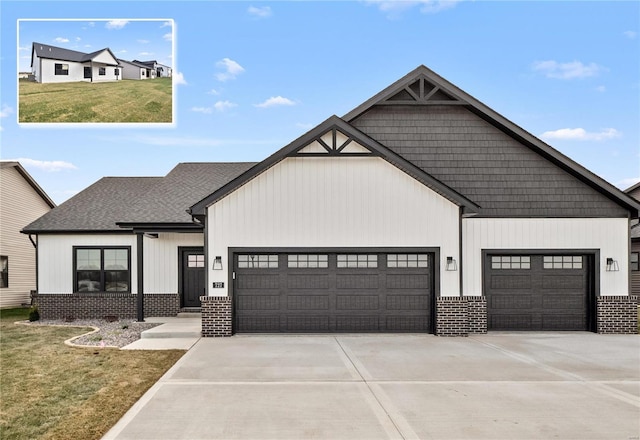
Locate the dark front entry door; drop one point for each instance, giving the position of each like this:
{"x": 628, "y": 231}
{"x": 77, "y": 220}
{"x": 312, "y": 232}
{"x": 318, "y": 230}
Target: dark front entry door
{"x": 193, "y": 276}
{"x": 87, "y": 72}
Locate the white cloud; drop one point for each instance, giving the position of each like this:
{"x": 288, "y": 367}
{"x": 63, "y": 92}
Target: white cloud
{"x": 45, "y": 165}
{"x": 213, "y": 92}
{"x": 143, "y": 41}
{"x": 580, "y": 134}
{"x": 116, "y": 24}
{"x": 627, "y": 183}
{"x": 78, "y": 39}
{"x": 92, "y": 23}
{"x": 168, "y": 37}
{"x": 166, "y": 24}
{"x": 205, "y": 110}
{"x": 224, "y": 105}
{"x": 122, "y": 51}
{"x": 394, "y": 8}
{"x": 230, "y": 68}
{"x": 261, "y": 12}
{"x": 178, "y": 79}
{"x": 61, "y": 40}
{"x": 88, "y": 45}
{"x": 6, "y": 111}
{"x": 571, "y": 70}
{"x": 145, "y": 54}
{"x": 601, "y": 89}
{"x": 24, "y": 48}
{"x": 275, "y": 101}
{"x": 631, "y": 34}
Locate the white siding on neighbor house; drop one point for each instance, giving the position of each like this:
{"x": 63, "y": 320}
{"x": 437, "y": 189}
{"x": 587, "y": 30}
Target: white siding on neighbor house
{"x": 609, "y": 235}
{"x": 130, "y": 71}
{"x": 333, "y": 202}
{"x": 55, "y": 258}
{"x": 21, "y": 205}
{"x": 162, "y": 263}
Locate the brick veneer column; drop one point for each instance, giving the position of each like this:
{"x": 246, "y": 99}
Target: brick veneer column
{"x": 617, "y": 314}
{"x": 477, "y": 309}
{"x": 216, "y": 316}
{"x": 452, "y": 316}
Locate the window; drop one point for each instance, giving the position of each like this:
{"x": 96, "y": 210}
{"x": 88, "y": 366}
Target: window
{"x": 562, "y": 262}
{"x": 102, "y": 71}
{"x": 102, "y": 269}
{"x": 195, "y": 261}
{"x": 511, "y": 262}
{"x": 407, "y": 260}
{"x": 61, "y": 69}
{"x": 357, "y": 260}
{"x": 257, "y": 261}
{"x": 4, "y": 270}
{"x": 116, "y": 72}
{"x": 308, "y": 261}
{"x": 635, "y": 264}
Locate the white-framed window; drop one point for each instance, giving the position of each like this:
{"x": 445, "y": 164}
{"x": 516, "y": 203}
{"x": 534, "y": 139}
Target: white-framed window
{"x": 102, "y": 71}
{"x": 102, "y": 269}
{"x": 357, "y": 260}
{"x": 310, "y": 261}
{"x": 258, "y": 261}
{"x": 562, "y": 262}
{"x": 407, "y": 260}
{"x": 195, "y": 260}
{"x": 61, "y": 69}
{"x": 511, "y": 262}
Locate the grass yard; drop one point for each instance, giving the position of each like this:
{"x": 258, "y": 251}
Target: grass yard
{"x": 49, "y": 390}
{"x": 122, "y": 101}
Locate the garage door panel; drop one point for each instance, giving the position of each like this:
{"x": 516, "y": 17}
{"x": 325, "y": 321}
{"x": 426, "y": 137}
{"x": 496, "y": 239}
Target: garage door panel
{"x": 550, "y": 293}
{"x": 357, "y": 302}
{"x": 338, "y": 293}
{"x": 259, "y": 302}
{"x": 357, "y": 281}
{"x": 407, "y": 281}
{"x": 307, "y": 302}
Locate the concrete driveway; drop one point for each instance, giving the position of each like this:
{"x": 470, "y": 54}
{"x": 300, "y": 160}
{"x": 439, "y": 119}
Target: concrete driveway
{"x": 495, "y": 386}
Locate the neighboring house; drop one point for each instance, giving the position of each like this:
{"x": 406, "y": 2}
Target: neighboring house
{"x": 21, "y": 202}
{"x": 23, "y": 75}
{"x": 161, "y": 70}
{"x": 52, "y": 64}
{"x": 634, "y": 261}
{"x": 421, "y": 210}
{"x": 133, "y": 70}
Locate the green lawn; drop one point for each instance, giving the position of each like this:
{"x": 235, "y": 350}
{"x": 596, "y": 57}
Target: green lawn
{"x": 122, "y": 101}
{"x": 52, "y": 391}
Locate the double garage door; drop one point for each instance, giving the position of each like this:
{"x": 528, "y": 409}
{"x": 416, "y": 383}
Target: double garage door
{"x": 333, "y": 292}
{"x": 539, "y": 292}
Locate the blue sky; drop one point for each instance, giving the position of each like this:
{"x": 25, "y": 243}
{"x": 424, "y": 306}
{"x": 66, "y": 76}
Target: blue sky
{"x": 253, "y": 76}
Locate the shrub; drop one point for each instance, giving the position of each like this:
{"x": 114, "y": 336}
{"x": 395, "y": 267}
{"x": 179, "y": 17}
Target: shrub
{"x": 34, "y": 314}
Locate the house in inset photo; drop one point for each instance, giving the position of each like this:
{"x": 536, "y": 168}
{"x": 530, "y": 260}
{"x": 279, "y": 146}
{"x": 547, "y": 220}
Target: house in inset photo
{"x": 134, "y": 70}
{"x": 421, "y": 210}
{"x": 161, "y": 70}
{"x": 51, "y": 64}
{"x": 22, "y": 200}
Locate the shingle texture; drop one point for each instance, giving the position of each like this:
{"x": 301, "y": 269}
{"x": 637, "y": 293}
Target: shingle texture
{"x": 139, "y": 199}
{"x": 488, "y": 166}
{"x": 59, "y": 53}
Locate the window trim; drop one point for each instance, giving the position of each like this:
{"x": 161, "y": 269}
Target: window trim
{"x": 511, "y": 262}
{"x": 321, "y": 261}
{"x": 60, "y": 70}
{"x": 5, "y": 273}
{"x": 253, "y": 266}
{"x": 102, "y": 270}
{"x": 102, "y": 71}
{"x": 357, "y": 260}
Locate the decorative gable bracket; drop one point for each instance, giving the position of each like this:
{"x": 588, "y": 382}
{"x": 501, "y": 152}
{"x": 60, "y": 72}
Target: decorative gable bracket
{"x": 334, "y": 143}
{"x": 422, "y": 92}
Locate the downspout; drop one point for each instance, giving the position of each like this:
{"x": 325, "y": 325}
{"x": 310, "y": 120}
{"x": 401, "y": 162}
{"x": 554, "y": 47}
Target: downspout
{"x": 35, "y": 245}
{"x": 140, "y": 295}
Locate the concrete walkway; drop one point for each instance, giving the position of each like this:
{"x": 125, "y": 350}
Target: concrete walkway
{"x": 496, "y": 386}
{"x": 179, "y": 333}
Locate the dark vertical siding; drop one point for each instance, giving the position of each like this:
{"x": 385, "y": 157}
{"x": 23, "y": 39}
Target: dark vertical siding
{"x": 483, "y": 163}
{"x": 635, "y": 274}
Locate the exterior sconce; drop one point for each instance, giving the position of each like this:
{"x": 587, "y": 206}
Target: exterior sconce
{"x": 451, "y": 264}
{"x": 217, "y": 263}
{"x": 612, "y": 265}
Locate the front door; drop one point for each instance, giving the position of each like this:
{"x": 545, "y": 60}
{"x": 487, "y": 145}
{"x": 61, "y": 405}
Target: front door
{"x": 193, "y": 276}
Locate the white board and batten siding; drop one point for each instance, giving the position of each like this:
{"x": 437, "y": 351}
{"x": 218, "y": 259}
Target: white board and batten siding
{"x": 358, "y": 202}
{"x": 610, "y": 236}
{"x": 21, "y": 205}
{"x": 46, "y": 72}
{"x": 161, "y": 262}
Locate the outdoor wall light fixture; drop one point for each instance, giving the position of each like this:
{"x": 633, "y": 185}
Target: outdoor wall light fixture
{"x": 451, "y": 264}
{"x": 612, "y": 265}
{"x": 217, "y": 263}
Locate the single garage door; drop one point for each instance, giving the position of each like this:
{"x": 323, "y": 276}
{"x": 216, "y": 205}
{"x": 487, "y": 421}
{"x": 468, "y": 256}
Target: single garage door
{"x": 538, "y": 292}
{"x": 333, "y": 292}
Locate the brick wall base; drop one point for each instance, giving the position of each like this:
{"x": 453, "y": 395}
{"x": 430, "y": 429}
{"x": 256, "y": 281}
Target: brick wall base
{"x": 216, "y": 316}
{"x": 101, "y": 305}
{"x": 617, "y": 314}
{"x": 461, "y": 316}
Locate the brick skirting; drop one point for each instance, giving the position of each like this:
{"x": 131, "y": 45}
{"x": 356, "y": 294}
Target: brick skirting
{"x": 461, "y": 316}
{"x": 216, "y": 316}
{"x": 101, "y": 305}
{"x": 617, "y": 314}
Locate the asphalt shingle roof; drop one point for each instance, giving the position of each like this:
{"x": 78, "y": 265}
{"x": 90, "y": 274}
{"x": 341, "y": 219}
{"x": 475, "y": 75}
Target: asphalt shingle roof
{"x": 59, "y": 53}
{"x": 139, "y": 199}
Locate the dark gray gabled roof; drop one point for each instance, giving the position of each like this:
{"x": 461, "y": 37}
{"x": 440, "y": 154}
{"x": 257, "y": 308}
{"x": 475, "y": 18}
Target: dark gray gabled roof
{"x": 138, "y": 200}
{"x": 374, "y": 147}
{"x": 133, "y": 63}
{"x": 408, "y": 90}
{"x": 59, "y": 53}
